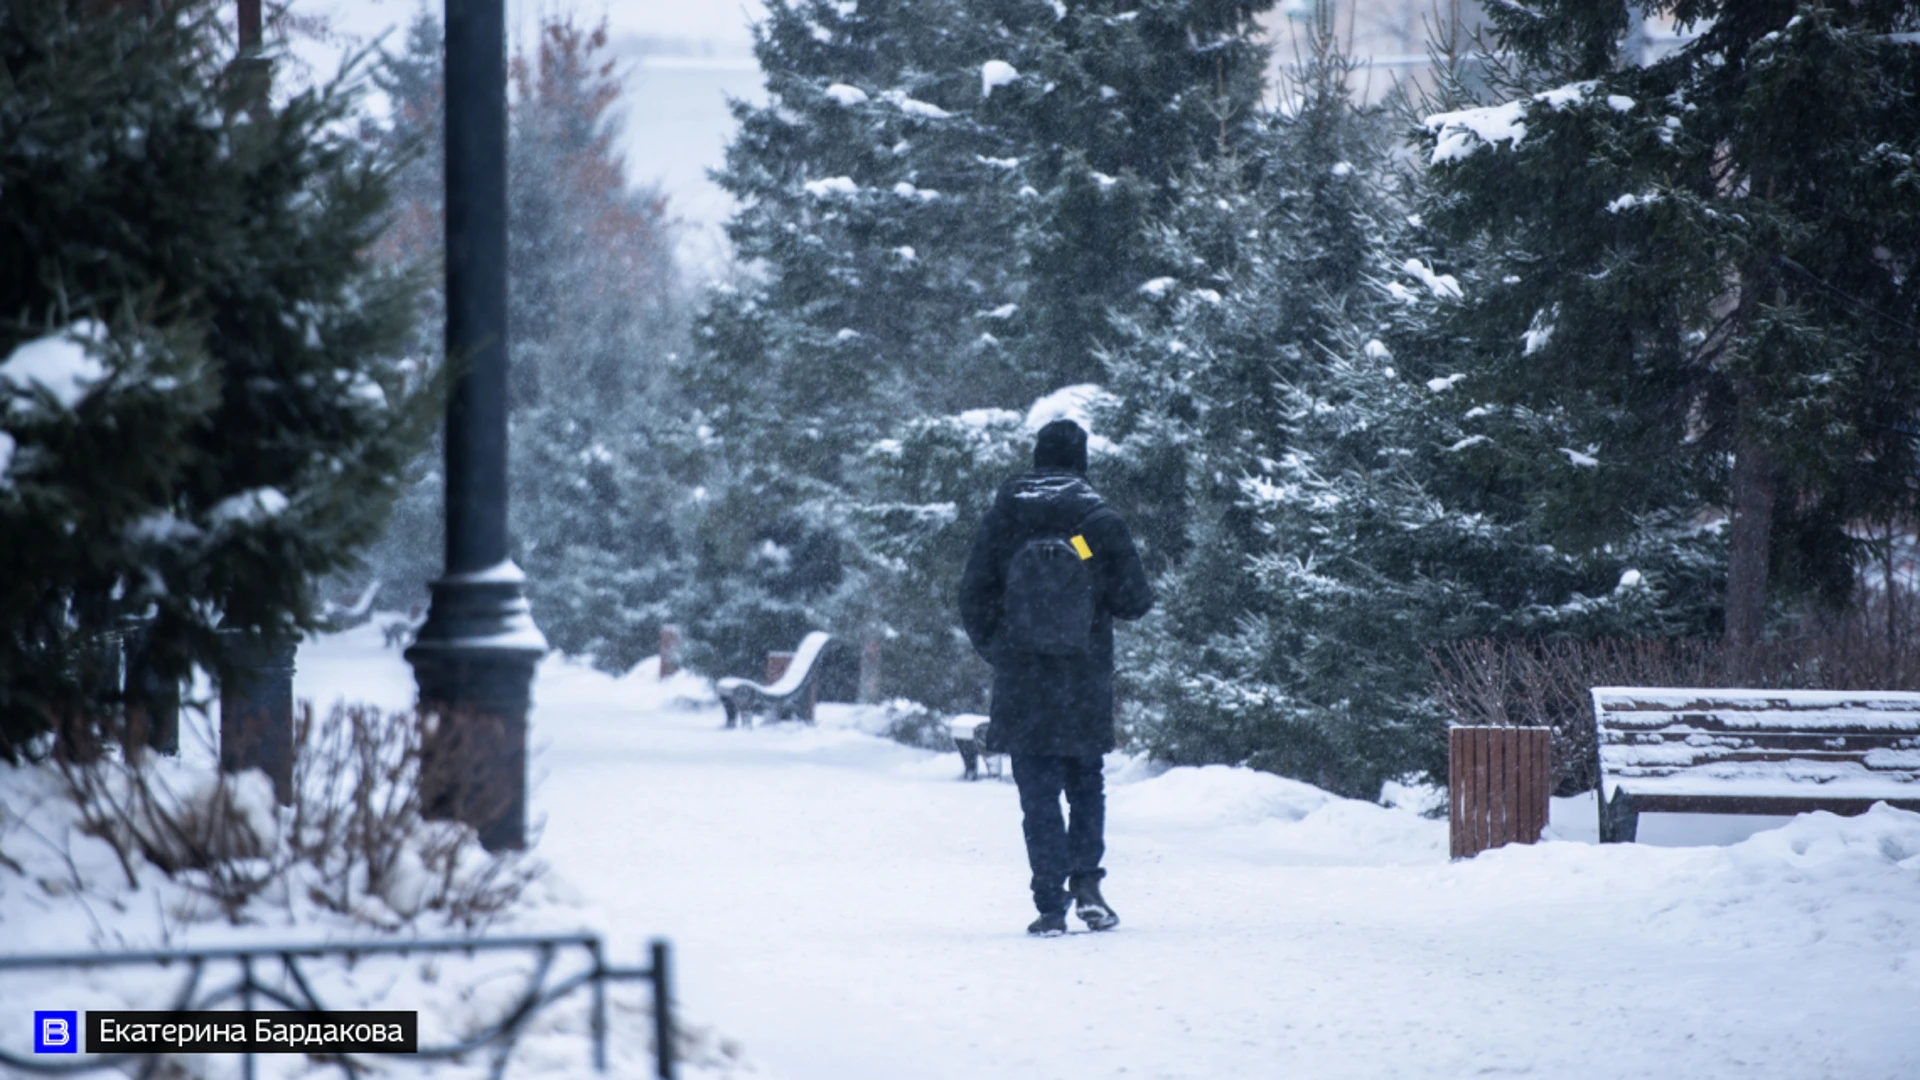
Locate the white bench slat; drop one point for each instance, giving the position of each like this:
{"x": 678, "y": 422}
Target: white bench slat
{"x": 1808, "y": 784}
{"x": 1669, "y": 747}
{"x": 790, "y": 680}
{"x": 1817, "y": 710}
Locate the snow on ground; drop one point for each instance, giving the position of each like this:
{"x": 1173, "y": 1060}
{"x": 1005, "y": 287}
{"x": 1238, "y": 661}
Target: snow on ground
{"x": 63, "y": 890}
{"x": 843, "y": 907}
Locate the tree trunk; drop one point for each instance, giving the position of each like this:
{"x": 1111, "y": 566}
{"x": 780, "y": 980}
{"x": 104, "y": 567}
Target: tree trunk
{"x": 1892, "y": 600}
{"x": 1753, "y": 495}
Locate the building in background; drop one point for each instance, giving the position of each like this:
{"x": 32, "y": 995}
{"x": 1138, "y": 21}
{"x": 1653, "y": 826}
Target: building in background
{"x": 1391, "y": 41}
{"x": 1397, "y": 41}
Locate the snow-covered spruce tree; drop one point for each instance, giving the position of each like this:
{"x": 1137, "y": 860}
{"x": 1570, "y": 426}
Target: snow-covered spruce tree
{"x": 1271, "y": 250}
{"x": 411, "y": 550}
{"x": 932, "y": 483}
{"x": 595, "y": 290}
{"x": 204, "y": 406}
{"x": 949, "y": 196}
{"x": 1274, "y": 256}
{"x": 1382, "y": 539}
{"x": 939, "y": 206}
{"x": 595, "y": 314}
{"x": 770, "y": 561}
{"x": 1702, "y": 271}
{"x": 1325, "y": 510}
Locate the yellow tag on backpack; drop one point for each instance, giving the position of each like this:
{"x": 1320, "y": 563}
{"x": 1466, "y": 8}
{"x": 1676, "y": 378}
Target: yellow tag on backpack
{"x": 1080, "y": 545}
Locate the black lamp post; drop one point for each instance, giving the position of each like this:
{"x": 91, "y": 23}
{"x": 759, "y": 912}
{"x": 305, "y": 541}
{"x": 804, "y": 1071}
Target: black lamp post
{"x": 474, "y": 658}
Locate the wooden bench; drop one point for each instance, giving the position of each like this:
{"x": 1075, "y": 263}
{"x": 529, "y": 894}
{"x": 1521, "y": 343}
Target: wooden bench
{"x": 1752, "y": 752}
{"x": 789, "y": 695}
{"x": 969, "y": 733}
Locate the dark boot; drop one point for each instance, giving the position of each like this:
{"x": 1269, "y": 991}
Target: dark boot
{"x": 1092, "y": 908}
{"x": 1048, "y": 925}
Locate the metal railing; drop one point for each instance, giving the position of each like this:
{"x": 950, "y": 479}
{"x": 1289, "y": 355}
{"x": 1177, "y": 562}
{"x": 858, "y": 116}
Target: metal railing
{"x": 297, "y": 993}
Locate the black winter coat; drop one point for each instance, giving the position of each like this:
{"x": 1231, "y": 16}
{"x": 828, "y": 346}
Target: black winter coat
{"x": 1051, "y": 704}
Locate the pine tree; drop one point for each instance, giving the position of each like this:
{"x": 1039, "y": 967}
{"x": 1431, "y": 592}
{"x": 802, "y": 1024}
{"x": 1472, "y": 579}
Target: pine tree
{"x": 410, "y": 552}
{"x": 1275, "y": 256}
{"x": 1324, "y": 507}
{"x": 933, "y": 482}
{"x": 595, "y": 292}
{"x": 941, "y": 205}
{"x": 595, "y": 314}
{"x": 947, "y": 198}
{"x": 206, "y": 398}
{"x": 1701, "y": 269}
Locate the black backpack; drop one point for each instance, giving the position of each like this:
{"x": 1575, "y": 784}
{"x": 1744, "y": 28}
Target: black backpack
{"x": 1048, "y": 604}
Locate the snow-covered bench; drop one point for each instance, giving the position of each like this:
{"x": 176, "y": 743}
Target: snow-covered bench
{"x": 969, "y": 730}
{"x": 1752, "y": 752}
{"x": 788, "y": 696}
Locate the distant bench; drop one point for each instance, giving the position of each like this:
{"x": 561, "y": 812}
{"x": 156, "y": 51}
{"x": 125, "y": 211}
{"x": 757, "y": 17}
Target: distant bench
{"x": 1752, "y": 752}
{"x": 969, "y": 737}
{"x": 786, "y": 695}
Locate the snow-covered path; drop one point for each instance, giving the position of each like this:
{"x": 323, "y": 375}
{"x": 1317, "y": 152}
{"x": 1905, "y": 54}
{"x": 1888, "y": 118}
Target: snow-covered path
{"x": 844, "y": 908}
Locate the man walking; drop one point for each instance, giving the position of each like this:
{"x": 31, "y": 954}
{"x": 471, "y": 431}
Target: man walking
{"x": 1051, "y": 568}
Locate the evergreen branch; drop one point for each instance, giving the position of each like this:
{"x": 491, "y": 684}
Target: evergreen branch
{"x": 1786, "y": 263}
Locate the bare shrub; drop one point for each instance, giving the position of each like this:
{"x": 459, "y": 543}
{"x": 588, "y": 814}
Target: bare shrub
{"x": 1871, "y": 645}
{"x": 354, "y": 840}
{"x": 360, "y": 821}
{"x": 1546, "y": 682}
{"x": 217, "y": 832}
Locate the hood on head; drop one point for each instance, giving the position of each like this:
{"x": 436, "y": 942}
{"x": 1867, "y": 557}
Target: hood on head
{"x": 1061, "y": 444}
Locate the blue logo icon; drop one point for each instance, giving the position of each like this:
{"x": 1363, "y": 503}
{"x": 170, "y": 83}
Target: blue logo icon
{"x": 56, "y": 1032}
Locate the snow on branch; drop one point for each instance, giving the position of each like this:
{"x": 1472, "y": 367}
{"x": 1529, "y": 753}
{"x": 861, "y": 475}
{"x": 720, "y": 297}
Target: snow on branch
{"x": 1443, "y": 286}
{"x": 59, "y": 364}
{"x": 848, "y": 96}
{"x": 249, "y": 507}
{"x": 996, "y": 73}
{"x": 915, "y": 107}
{"x": 1631, "y": 201}
{"x": 1458, "y": 134}
{"x": 832, "y": 185}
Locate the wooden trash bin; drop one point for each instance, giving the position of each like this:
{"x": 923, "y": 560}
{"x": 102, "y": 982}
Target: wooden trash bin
{"x": 1498, "y": 782}
{"x": 870, "y": 672}
{"x": 669, "y": 650}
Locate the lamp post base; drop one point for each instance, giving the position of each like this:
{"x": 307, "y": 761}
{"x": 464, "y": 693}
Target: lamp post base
{"x": 256, "y": 707}
{"x": 474, "y": 662}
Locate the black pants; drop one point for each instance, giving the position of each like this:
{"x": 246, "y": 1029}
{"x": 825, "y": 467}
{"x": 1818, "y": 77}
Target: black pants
{"x": 1057, "y": 848}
